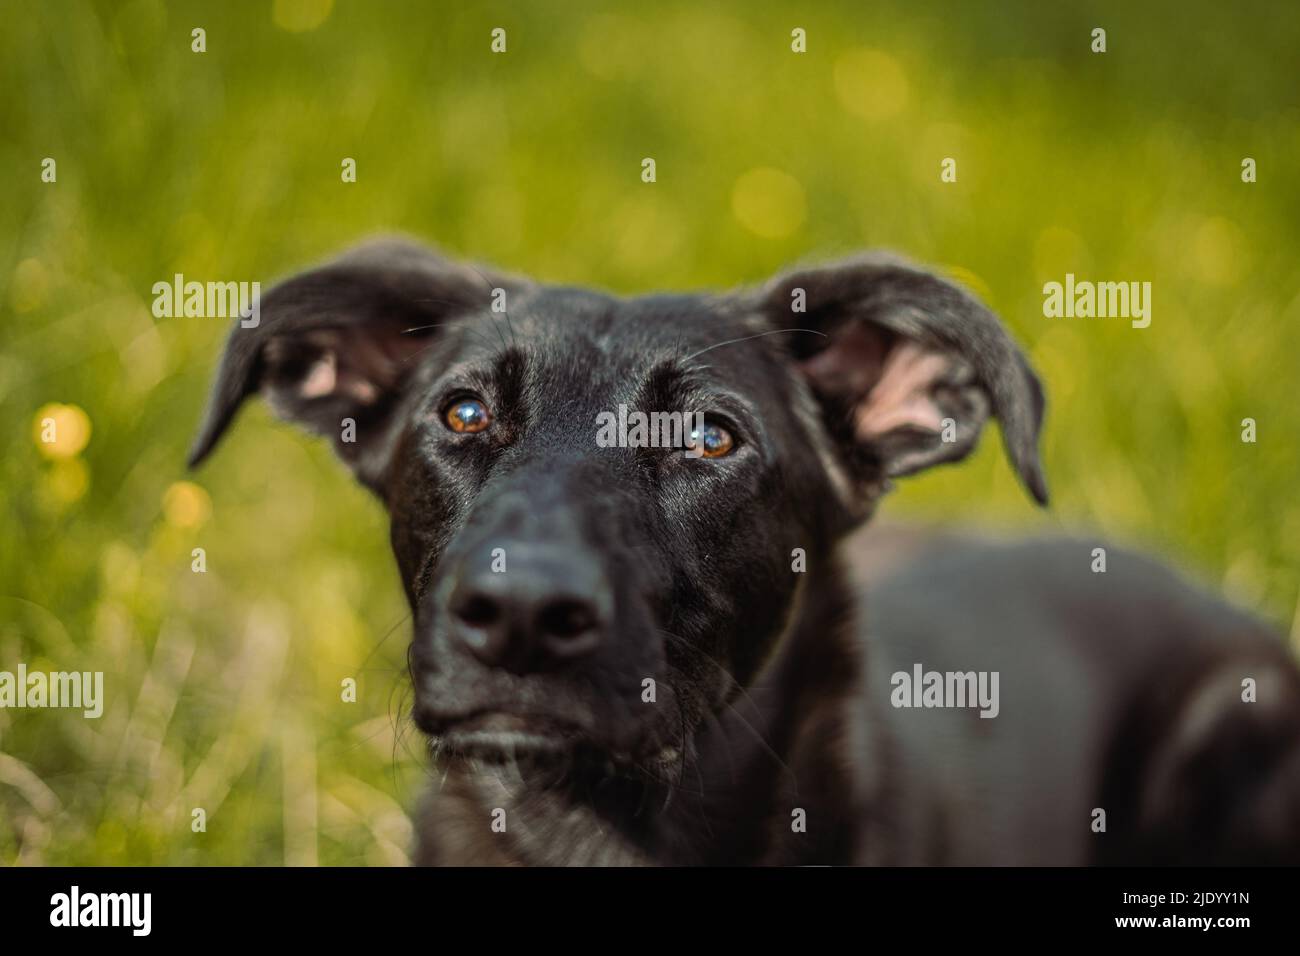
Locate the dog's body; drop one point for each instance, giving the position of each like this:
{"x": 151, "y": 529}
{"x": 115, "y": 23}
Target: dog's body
{"x": 636, "y": 655}
{"x": 1101, "y": 671}
{"x": 1121, "y": 691}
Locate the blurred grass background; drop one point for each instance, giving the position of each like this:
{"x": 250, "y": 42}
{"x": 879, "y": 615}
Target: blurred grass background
{"x": 223, "y": 688}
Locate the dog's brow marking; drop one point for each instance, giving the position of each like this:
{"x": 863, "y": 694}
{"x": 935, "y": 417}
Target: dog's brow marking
{"x": 747, "y": 338}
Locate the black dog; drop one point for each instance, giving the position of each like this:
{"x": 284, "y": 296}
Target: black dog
{"x": 664, "y": 654}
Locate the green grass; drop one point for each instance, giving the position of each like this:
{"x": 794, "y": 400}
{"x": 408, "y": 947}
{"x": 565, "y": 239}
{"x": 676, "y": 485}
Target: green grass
{"x": 223, "y": 688}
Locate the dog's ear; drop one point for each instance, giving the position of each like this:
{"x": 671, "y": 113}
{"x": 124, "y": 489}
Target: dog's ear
{"x": 908, "y": 368}
{"x": 331, "y": 348}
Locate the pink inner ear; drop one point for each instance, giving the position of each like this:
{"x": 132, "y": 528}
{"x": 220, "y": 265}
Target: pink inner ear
{"x": 321, "y": 378}
{"x": 326, "y": 378}
{"x": 347, "y": 364}
{"x": 901, "y": 396}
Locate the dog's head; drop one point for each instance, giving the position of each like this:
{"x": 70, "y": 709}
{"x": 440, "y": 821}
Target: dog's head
{"x": 576, "y": 596}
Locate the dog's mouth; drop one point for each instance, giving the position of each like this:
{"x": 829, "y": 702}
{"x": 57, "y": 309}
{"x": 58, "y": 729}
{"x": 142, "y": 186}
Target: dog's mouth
{"x": 501, "y": 737}
{"x": 498, "y": 736}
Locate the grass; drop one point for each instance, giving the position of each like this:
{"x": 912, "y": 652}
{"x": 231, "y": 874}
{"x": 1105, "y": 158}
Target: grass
{"x": 224, "y": 687}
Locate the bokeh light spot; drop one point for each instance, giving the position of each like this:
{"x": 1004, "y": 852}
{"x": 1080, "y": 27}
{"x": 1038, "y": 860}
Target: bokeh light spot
{"x": 29, "y": 286}
{"x": 769, "y": 203}
{"x": 1217, "y": 251}
{"x": 649, "y": 232}
{"x": 299, "y": 16}
{"x": 60, "y": 431}
{"x": 1058, "y": 250}
{"x": 68, "y": 481}
{"x": 186, "y": 505}
{"x": 871, "y": 84}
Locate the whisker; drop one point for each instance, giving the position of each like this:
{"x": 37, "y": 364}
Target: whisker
{"x": 387, "y": 634}
{"x": 746, "y": 338}
{"x": 736, "y": 685}
{"x": 487, "y": 282}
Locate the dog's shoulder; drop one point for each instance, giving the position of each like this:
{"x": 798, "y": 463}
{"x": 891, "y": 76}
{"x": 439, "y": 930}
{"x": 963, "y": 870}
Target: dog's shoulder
{"x": 1104, "y": 663}
{"x": 1107, "y": 599}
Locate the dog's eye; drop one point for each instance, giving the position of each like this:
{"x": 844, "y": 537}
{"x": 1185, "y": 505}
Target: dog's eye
{"x": 716, "y": 442}
{"x": 467, "y": 415}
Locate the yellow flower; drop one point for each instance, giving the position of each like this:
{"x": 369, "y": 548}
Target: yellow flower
{"x": 186, "y": 505}
{"x": 60, "y": 431}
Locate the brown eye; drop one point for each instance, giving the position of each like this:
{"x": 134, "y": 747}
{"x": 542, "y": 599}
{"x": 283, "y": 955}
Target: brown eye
{"x": 467, "y": 415}
{"x": 716, "y": 442}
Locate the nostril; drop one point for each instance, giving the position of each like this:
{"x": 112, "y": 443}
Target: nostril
{"x": 550, "y": 609}
{"x": 567, "y": 618}
{"x": 478, "y": 610}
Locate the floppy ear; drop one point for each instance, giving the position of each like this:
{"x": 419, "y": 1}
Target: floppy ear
{"x": 334, "y": 343}
{"x": 908, "y": 368}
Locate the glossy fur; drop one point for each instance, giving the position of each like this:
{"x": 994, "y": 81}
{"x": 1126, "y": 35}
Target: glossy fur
{"x": 770, "y": 683}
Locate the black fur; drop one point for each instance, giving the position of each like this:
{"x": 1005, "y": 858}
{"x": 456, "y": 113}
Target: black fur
{"x": 771, "y": 684}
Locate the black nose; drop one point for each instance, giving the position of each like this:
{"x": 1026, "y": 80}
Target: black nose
{"x": 528, "y": 607}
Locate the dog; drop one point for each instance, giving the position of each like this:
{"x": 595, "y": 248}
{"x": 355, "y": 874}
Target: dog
{"x": 695, "y": 655}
